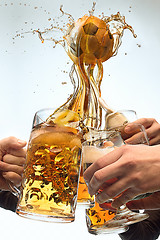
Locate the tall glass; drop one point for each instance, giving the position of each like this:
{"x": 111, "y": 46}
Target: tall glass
{"x": 113, "y": 121}
{"x": 51, "y": 175}
{"x": 98, "y": 144}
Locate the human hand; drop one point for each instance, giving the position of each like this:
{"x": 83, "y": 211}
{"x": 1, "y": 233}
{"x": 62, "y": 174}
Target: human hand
{"x": 152, "y": 128}
{"x": 136, "y": 170}
{"x": 151, "y": 202}
{"x": 12, "y": 159}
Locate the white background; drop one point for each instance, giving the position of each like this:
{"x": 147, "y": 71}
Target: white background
{"x": 31, "y": 76}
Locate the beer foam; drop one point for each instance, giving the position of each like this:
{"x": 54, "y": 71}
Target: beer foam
{"x": 115, "y": 119}
{"x": 55, "y": 136}
{"x": 91, "y": 153}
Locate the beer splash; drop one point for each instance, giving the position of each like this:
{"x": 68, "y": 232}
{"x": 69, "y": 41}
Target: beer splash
{"x": 89, "y": 42}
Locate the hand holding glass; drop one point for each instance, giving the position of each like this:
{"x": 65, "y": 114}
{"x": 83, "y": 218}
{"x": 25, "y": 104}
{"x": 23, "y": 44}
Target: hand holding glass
{"x": 99, "y": 144}
{"x": 50, "y": 179}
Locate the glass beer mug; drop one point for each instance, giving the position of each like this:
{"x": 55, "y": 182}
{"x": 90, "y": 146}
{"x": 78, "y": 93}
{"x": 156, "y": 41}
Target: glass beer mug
{"x": 50, "y": 180}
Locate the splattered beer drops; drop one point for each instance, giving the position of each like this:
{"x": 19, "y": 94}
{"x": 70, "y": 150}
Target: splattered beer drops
{"x": 89, "y": 42}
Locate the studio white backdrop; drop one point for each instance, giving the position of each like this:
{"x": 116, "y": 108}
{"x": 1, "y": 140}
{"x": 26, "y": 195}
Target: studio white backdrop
{"x": 32, "y": 76}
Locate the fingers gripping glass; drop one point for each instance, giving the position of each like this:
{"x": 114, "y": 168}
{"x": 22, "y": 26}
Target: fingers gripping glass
{"x": 51, "y": 174}
{"x": 98, "y": 144}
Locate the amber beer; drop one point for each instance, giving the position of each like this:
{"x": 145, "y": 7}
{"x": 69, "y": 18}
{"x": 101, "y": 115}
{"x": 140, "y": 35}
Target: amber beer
{"x": 99, "y": 144}
{"x": 90, "y": 154}
{"x": 97, "y": 217}
{"x": 84, "y": 198}
{"x": 50, "y": 180}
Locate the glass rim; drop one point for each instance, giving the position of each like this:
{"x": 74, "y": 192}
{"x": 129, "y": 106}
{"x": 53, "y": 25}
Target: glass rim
{"x": 122, "y": 110}
{"x": 43, "y": 109}
{"x": 142, "y": 129}
{"x": 52, "y": 112}
{"x": 98, "y": 134}
{"x": 53, "y": 108}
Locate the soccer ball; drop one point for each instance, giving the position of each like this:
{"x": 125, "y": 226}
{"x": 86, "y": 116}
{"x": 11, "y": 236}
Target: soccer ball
{"x": 88, "y": 40}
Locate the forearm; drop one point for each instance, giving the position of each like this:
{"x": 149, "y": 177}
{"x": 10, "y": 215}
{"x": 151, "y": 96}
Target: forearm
{"x": 148, "y": 229}
{"x": 8, "y": 200}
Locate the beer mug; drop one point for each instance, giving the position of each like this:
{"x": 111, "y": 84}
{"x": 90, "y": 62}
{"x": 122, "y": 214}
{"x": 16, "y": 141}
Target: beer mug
{"x": 51, "y": 174}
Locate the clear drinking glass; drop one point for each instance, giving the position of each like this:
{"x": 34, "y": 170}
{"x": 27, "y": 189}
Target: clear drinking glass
{"x": 113, "y": 121}
{"x": 51, "y": 175}
{"x": 98, "y": 144}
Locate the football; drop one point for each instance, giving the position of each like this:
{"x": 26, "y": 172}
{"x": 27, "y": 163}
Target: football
{"x": 88, "y": 40}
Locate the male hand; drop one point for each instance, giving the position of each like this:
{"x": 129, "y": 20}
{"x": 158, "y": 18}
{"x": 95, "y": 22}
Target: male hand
{"x": 12, "y": 160}
{"x": 152, "y": 128}
{"x": 136, "y": 169}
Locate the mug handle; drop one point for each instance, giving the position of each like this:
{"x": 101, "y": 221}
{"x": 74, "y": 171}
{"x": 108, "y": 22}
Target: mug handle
{"x": 13, "y": 188}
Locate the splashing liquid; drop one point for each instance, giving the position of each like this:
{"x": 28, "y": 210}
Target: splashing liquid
{"x": 89, "y": 42}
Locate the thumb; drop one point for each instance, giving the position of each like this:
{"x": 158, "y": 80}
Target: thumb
{"x": 10, "y": 143}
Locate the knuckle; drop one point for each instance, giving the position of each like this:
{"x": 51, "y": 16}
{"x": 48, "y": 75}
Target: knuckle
{"x": 18, "y": 181}
{"x": 125, "y": 148}
{"x": 4, "y": 166}
{"x": 158, "y": 127}
{"x": 14, "y": 177}
{"x": 21, "y": 170}
{"x": 11, "y": 139}
{"x": 98, "y": 177}
{"x": 137, "y": 179}
{"x": 133, "y": 180}
{"x": 22, "y": 161}
{"x": 111, "y": 193}
{"x": 129, "y": 161}
{"x": 130, "y": 164}
{"x": 18, "y": 170}
{"x": 1, "y": 165}
{"x": 126, "y": 198}
{"x": 5, "y": 158}
{"x": 99, "y": 163}
{"x": 153, "y": 120}
{"x": 24, "y": 152}
{"x": 143, "y": 120}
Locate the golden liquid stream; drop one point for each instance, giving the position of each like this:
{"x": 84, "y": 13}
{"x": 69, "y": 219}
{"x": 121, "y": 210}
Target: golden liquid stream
{"x": 89, "y": 42}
